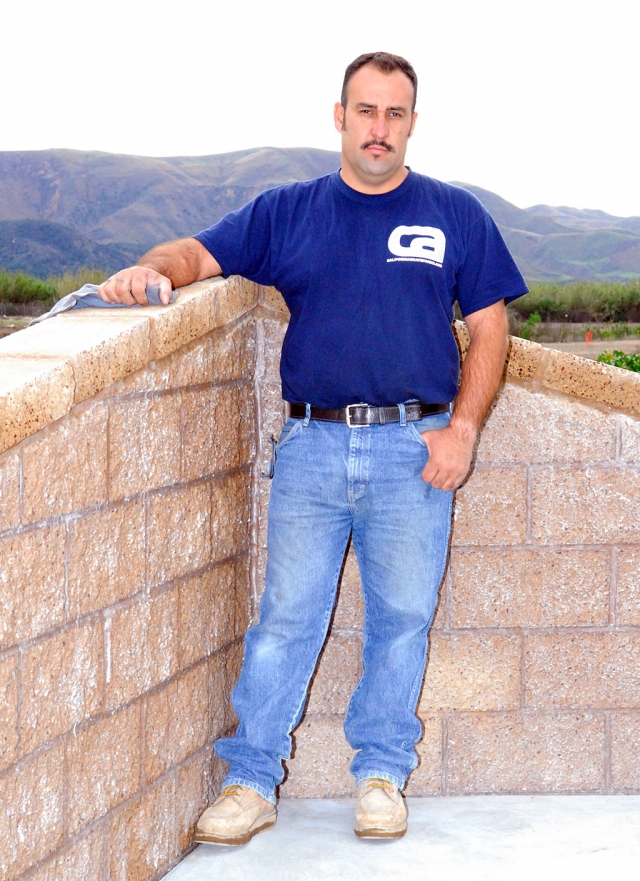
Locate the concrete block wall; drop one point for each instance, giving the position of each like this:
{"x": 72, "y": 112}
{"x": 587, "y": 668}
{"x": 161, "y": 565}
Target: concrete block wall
{"x": 132, "y": 554}
{"x": 131, "y": 448}
{"x": 533, "y": 676}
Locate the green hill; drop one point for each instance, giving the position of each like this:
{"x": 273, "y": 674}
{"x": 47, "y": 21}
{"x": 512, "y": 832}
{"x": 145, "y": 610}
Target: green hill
{"x": 62, "y": 209}
{"x": 564, "y": 244}
{"x": 140, "y": 200}
{"x": 42, "y": 249}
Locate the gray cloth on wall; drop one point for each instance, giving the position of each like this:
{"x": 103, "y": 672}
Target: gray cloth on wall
{"x": 88, "y": 296}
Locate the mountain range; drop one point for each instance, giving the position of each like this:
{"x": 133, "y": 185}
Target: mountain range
{"x": 64, "y": 209}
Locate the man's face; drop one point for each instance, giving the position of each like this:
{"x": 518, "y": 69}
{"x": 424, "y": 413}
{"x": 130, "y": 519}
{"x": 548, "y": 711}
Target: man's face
{"x": 376, "y": 124}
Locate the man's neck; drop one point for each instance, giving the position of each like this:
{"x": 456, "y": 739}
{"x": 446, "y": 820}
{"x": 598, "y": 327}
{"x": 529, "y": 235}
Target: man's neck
{"x": 372, "y": 186}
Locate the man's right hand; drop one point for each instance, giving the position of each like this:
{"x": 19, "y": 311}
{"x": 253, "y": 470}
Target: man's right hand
{"x": 183, "y": 262}
{"x": 129, "y": 286}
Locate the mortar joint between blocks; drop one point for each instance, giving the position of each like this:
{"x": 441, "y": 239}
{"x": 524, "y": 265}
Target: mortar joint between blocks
{"x": 445, "y": 753}
{"x": 20, "y": 488}
{"x": 65, "y": 787}
{"x": 618, "y": 441}
{"x": 107, "y": 659}
{"x": 523, "y": 670}
{"x": 255, "y": 505}
{"x": 105, "y": 850}
{"x": 65, "y": 568}
{"x": 143, "y": 737}
{"x": 181, "y": 470}
{"x": 19, "y": 669}
{"x": 613, "y": 586}
{"x": 528, "y": 506}
{"x": 608, "y": 776}
{"x": 146, "y": 588}
{"x": 448, "y": 594}
{"x": 525, "y": 635}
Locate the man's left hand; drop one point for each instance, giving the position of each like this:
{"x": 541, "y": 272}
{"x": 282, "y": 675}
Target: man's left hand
{"x": 450, "y": 454}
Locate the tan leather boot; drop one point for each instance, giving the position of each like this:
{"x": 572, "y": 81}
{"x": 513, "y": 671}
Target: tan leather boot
{"x": 380, "y": 812}
{"x": 235, "y": 817}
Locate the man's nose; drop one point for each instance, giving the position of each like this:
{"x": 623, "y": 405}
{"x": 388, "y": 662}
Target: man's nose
{"x": 380, "y": 126}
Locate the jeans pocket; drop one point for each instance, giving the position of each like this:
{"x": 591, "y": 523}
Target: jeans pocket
{"x": 288, "y": 431}
{"x": 416, "y": 433}
{"x": 428, "y": 423}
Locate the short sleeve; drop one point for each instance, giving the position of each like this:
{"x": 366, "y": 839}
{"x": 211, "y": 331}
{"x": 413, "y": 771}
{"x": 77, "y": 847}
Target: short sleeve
{"x": 241, "y": 241}
{"x": 487, "y": 272}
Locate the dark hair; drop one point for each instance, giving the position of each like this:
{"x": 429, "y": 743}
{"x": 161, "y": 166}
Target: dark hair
{"x": 385, "y": 62}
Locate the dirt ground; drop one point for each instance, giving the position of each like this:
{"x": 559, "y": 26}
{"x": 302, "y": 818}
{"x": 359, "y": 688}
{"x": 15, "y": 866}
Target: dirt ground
{"x": 11, "y": 325}
{"x": 630, "y": 346}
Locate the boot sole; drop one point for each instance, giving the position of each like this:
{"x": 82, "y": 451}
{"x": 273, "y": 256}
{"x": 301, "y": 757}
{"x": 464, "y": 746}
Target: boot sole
{"x": 234, "y": 840}
{"x": 381, "y": 833}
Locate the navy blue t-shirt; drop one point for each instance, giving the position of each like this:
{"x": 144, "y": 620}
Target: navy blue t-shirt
{"x": 370, "y": 281}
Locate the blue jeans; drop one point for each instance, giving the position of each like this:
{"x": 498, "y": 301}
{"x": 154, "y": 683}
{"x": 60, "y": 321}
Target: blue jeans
{"x": 330, "y": 482}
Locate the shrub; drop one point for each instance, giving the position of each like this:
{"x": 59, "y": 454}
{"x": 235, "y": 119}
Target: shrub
{"x": 21, "y": 288}
{"x": 529, "y": 324}
{"x": 24, "y": 289}
{"x": 73, "y": 281}
{"x": 621, "y": 359}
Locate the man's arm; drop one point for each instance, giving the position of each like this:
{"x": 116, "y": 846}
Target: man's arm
{"x": 167, "y": 266}
{"x": 451, "y": 448}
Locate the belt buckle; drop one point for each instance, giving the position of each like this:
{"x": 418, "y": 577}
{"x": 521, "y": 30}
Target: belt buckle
{"x": 348, "y": 409}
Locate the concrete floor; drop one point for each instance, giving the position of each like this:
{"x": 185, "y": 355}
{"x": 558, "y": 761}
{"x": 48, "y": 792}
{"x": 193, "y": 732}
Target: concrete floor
{"x": 475, "y": 838}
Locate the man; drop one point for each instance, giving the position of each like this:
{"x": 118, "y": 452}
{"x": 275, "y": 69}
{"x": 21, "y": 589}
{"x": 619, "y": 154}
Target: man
{"x": 370, "y": 261}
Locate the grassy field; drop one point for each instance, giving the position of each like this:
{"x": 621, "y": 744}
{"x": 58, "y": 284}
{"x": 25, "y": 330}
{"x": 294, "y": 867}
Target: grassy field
{"x": 21, "y": 289}
{"x": 581, "y": 301}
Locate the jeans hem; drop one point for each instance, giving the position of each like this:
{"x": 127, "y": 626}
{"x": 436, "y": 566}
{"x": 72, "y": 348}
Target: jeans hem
{"x": 241, "y": 781}
{"x": 380, "y": 775}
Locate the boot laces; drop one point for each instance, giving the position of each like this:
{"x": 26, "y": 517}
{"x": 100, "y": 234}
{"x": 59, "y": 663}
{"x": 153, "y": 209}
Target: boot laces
{"x": 376, "y": 783}
{"x": 230, "y": 791}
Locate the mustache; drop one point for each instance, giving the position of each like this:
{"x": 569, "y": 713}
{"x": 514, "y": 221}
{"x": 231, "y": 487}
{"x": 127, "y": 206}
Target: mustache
{"x": 384, "y": 144}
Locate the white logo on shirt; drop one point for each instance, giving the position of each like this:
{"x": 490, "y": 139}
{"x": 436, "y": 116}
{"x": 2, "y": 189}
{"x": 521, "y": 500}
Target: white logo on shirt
{"x": 428, "y": 248}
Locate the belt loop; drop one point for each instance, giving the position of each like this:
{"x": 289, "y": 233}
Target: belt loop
{"x": 307, "y": 416}
{"x": 403, "y": 414}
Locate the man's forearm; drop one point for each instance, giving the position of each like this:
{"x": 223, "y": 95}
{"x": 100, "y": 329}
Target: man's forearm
{"x": 167, "y": 266}
{"x": 451, "y": 448}
{"x": 481, "y": 372}
{"x": 178, "y": 261}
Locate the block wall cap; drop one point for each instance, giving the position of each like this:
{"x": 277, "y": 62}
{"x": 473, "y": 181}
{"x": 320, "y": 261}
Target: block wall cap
{"x": 47, "y": 368}
{"x": 566, "y": 373}
{"x": 33, "y": 393}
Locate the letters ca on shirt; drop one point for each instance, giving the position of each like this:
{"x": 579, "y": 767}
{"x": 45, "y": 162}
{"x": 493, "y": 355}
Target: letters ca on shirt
{"x": 417, "y": 244}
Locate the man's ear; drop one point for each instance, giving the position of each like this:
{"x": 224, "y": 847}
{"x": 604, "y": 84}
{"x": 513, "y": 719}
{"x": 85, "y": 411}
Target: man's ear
{"x": 414, "y": 117}
{"x": 338, "y": 116}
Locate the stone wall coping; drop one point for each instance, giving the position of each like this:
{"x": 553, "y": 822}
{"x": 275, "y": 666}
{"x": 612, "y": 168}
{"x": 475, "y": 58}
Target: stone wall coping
{"x": 571, "y": 375}
{"x": 48, "y": 368}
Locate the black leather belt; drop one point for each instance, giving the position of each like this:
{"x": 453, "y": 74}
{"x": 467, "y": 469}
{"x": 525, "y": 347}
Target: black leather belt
{"x": 358, "y": 415}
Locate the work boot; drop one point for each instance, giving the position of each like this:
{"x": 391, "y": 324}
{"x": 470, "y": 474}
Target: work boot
{"x": 380, "y": 812}
{"x": 235, "y": 817}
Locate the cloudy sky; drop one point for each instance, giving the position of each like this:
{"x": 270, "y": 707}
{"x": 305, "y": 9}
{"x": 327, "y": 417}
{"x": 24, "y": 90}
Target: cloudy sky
{"x": 537, "y": 101}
